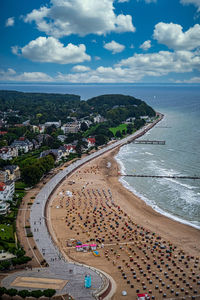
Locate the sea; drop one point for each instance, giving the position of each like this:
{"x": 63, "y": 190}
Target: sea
{"x": 178, "y": 199}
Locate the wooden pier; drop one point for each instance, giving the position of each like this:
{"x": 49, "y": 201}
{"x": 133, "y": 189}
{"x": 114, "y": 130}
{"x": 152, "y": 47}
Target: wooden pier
{"x": 149, "y": 142}
{"x": 161, "y": 176}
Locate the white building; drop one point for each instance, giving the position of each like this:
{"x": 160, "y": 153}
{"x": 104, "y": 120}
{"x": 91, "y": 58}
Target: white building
{"x": 7, "y": 190}
{"x": 7, "y": 153}
{"x": 4, "y": 207}
{"x": 57, "y": 124}
{"x": 72, "y": 127}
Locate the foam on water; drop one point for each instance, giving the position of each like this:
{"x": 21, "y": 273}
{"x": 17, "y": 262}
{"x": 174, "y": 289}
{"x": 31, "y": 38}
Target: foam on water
{"x": 153, "y": 204}
{"x": 175, "y": 198}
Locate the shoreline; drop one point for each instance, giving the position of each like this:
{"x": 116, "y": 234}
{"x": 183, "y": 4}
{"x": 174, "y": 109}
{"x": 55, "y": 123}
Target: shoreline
{"x": 146, "y": 200}
{"x": 70, "y": 215}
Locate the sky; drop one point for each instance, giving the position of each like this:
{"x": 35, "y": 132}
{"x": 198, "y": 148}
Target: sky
{"x": 100, "y": 41}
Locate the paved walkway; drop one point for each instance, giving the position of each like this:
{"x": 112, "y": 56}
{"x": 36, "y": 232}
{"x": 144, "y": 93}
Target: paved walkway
{"x": 58, "y": 266}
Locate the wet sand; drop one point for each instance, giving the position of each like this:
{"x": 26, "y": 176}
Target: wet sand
{"x": 142, "y": 250}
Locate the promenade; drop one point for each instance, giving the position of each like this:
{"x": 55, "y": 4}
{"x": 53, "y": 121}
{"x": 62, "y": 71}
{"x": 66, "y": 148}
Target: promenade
{"x": 59, "y": 266}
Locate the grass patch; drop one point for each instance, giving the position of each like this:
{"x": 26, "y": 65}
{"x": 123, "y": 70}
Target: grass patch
{"x": 19, "y": 185}
{"x": 121, "y": 127}
{"x": 6, "y": 232}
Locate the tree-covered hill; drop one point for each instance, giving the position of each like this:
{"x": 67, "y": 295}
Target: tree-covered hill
{"x": 120, "y": 107}
{"x": 42, "y": 107}
{"x": 48, "y": 106}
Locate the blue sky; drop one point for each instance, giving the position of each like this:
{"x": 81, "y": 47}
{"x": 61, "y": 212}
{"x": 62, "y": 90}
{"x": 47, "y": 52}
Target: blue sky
{"x": 100, "y": 41}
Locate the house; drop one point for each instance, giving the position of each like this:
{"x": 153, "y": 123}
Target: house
{"x": 43, "y": 138}
{"x": 91, "y": 142}
{"x": 4, "y": 207}
{"x": 64, "y": 151}
{"x": 61, "y": 137}
{"x": 26, "y": 123}
{"x": 4, "y": 176}
{"x": 70, "y": 148}
{"x": 56, "y": 153}
{"x": 22, "y": 144}
{"x": 3, "y": 132}
{"x": 36, "y": 144}
{"x": 7, "y": 153}
{"x": 7, "y": 190}
{"x": 57, "y": 124}
{"x": 72, "y": 127}
{"x": 13, "y": 173}
{"x": 99, "y": 119}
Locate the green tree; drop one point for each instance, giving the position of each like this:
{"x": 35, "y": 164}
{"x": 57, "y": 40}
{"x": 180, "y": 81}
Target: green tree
{"x": 11, "y": 292}
{"x": 101, "y": 139}
{"x": 2, "y": 290}
{"x": 23, "y": 293}
{"x": 118, "y": 134}
{"x": 36, "y": 294}
{"x": 49, "y": 293}
{"x": 130, "y": 128}
{"x": 84, "y": 126}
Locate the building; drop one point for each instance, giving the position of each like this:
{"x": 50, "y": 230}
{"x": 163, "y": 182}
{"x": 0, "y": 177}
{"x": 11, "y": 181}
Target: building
{"x": 99, "y": 119}
{"x": 7, "y": 153}
{"x": 72, "y": 127}
{"x": 91, "y": 142}
{"x": 12, "y": 173}
{"x": 56, "y": 153}
{"x": 61, "y": 137}
{"x": 22, "y": 144}
{"x": 4, "y": 207}
{"x": 7, "y": 190}
{"x": 70, "y": 148}
{"x": 57, "y": 124}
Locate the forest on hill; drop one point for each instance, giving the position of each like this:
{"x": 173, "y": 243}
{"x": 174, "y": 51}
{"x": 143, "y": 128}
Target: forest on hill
{"x": 43, "y": 107}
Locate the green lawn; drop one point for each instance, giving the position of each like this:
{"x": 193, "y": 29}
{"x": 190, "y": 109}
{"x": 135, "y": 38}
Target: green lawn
{"x": 19, "y": 185}
{"x": 121, "y": 127}
{"x": 6, "y": 232}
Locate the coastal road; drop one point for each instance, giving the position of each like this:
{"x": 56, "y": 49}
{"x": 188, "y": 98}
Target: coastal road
{"x": 59, "y": 267}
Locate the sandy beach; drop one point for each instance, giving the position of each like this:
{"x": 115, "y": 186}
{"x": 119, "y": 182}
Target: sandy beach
{"x": 142, "y": 250}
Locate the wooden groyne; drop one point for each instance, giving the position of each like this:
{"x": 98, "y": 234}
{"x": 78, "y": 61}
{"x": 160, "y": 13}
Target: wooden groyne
{"x": 149, "y": 142}
{"x": 161, "y": 176}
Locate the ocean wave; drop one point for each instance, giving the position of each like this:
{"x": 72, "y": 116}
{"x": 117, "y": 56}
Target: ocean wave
{"x": 153, "y": 204}
{"x": 148, "y": 153}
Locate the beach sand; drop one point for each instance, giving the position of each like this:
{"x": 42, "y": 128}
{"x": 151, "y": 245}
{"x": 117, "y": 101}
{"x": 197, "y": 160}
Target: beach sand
{"x": 142, "y": 250}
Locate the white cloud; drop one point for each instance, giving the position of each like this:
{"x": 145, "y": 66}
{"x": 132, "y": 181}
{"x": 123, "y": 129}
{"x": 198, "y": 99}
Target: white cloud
{"x": 51, "y": 50}
{"x": 97, "y": 58}
{"x": 139, "y": 66}
{"x": 132, "y": 69}
{"x": 146, "y": 45}
{"x": 11, "y": 75}
{"x": 10, "y": 22}
{"x": 172, "y": 36}
{"x": 114, "y": 47}
{"x": 191, "y": 80}
{"x": 80, "y": 68}
{"x": 194, "y": 2}
{"x": 163, "y": 62}
{"x": 66, "y": 17}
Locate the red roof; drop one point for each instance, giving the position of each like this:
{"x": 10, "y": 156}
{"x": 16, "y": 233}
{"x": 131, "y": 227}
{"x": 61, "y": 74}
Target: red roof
{"x": 3, "y": 132}
{"x": 2, "y": 186}
{"x": 22, "y": 138}
{"x": 91, "y": 140}
{"x": 69, "y": 147}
